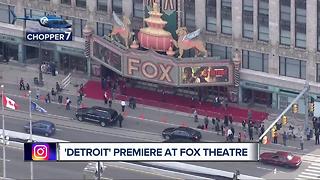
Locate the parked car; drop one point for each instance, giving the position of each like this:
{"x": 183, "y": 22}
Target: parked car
{"x": 41, "y": 127}
{"x": 281, "y": 158}
{"x": 96, "y": 114}
{"x": 181, "y": 133}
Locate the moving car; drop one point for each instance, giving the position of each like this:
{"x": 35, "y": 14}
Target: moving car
{"x": 41, "y": 127}
{"x": 96, "y": 114}
{"x": 281, "y": 158}
{"x": 181, "y": 133}
{"x": 178, "y": 141}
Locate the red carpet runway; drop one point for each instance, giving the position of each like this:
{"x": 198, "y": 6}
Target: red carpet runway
{"x": 93, "y": 90}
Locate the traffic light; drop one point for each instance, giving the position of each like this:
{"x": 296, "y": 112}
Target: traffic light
{"x": 311, "y": 107}
{"x": 284, "y": 120}
{"x": 295, "y": 108}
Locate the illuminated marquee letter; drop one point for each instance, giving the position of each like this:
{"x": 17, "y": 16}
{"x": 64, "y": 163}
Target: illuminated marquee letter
{"x": 131, "y": 67}
{"x": 146, "y": 74}
{"x": 165, "y": 72}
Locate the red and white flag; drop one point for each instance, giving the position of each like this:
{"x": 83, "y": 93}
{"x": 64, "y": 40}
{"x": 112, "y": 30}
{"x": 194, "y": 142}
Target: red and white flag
{"x": 9, "y": 103}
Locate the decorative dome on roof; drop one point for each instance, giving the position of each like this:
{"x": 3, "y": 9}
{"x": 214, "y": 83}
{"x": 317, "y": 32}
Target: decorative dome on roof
{"x": 154, "y": 36}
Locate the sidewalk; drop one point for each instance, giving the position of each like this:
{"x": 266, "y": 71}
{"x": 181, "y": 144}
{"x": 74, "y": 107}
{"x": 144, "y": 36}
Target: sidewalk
{"x": 12, "y": 73}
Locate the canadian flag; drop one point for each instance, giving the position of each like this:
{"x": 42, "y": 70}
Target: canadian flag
{"x": 9, "y": 103}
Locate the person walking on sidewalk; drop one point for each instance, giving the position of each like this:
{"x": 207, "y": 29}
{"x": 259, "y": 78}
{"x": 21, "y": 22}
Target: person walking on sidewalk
{"x": 206, "y": 122}
{"x": 284, "y": 138}
{"x": 250, "y": 130}
{"x": 68, "y": 103}
{"x": 110, "y": 102}
{"x": 53, "y": 94}
{"x": 105, "y": 97}
{"x": 222, "y": 129}
{"x": 48, "y": 98}
{"x": 239, "y": 137}
{"x": 213, "y": 120}
{"x": 275, "y": 137}
{"x": 244, "y": 125}
{"x": 28, "y": 87}
{"x": 195, "y": 115}
{"x": 229, "y": 135}
{"x": 37, "y": 94}
{"x": 22, "y": 84}
{"x": 317, "y": 134}
{"x": 301, "y": 142}
{"x": 123, "y": 105}
{"x": 262, "y": 129}
{"x": 120, "y": 118}
{"x": 58, "y": 88}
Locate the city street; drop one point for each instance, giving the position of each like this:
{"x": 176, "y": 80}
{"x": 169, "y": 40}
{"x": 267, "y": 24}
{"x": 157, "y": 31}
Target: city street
{"x": 138, "y": 129}
{"x": 18, "y": 169}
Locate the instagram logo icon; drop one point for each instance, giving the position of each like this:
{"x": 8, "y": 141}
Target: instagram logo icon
{"x": 40, "y": 152}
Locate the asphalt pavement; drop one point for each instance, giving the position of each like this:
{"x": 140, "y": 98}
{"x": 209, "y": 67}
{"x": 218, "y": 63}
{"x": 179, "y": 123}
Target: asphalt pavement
{"x": 145, "y": 124}
{"x": 16, "y": 168}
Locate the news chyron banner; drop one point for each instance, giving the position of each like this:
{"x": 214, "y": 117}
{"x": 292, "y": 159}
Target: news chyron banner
{"x": 141, "y": 151}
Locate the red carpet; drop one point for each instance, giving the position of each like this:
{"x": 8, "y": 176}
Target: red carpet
{"x": 93, "y": 90}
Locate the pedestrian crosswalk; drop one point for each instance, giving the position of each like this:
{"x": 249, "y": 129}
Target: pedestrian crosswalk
{"x": 311, "y": 172}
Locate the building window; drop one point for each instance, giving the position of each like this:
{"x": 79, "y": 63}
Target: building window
{"x": 318, "y": 72}
{"x": 247, "y": 19}
{"x": 138, "y": 8}
{"x": 255, "y": 61}
{"x": 117, "y": 6}
{"x": 226, "y": 17}
{"x": 67, "y": 2}
{"x": 34, "y": 13}
{"x": 285, "y": 6}
{"x": 102, "y": 5}
{"x": 318, "y": 23}
{"x": 211, "y": 15}
{"x": 103, "y": 29}
{"x": 189, "y": 15}
{"x": 300, "y": 23}
{"x": 263, "y": 20}
{"x": 78, "y": 26}
{"x": 292, "y": 68}
{"x": 5, "y": 14}
{"x": 221, "y": 52}
{"x": 81, "y": 3}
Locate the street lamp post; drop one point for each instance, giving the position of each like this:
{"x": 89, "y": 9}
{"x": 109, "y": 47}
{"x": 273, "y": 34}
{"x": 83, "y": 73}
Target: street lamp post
{"x": 3, "y": 135}
{"x": 30, "y": 130}
{"x": 40, "y": 64}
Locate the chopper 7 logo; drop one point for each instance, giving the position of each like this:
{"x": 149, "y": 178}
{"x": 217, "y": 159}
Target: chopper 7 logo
{"x": 44, "y": 20}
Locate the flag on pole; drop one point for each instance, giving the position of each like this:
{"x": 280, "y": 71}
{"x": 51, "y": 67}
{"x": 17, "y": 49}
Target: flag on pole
{"x": 36, "y": 107}
{"x": 9, "y": 103}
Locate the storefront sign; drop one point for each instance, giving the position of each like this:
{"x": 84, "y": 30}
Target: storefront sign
{"x": 9, "y": 38}
{"x": 150, "y": 70}
{"x": 206, "y": 75}
{"x": 107, "y": 56}
{"x": 71, "y": 50}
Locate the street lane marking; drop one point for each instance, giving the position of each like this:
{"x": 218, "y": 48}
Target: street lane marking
{"x": 59, "y": 130}
{"x": 135, "y": 170}
{"x": 314, "y": 167}
{"x": 311, "y": 170}
{"x": 315, "y": 164}
{"x": 7, "y": 160}
{"x": 312, "y": 174}
{"x": 308, "y": 177}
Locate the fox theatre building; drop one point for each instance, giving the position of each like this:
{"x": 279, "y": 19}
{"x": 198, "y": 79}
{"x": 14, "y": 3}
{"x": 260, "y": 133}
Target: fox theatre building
{"x": 156, "y": 62}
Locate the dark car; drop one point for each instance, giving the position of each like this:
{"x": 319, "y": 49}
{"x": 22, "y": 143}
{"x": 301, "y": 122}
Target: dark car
{"x": 103, "y": 116}
{"x": 41, "y": 127}
{"x": 181, "y": 133}
{"x": 281, "y": 158}
{"x": 178, "y": 140}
